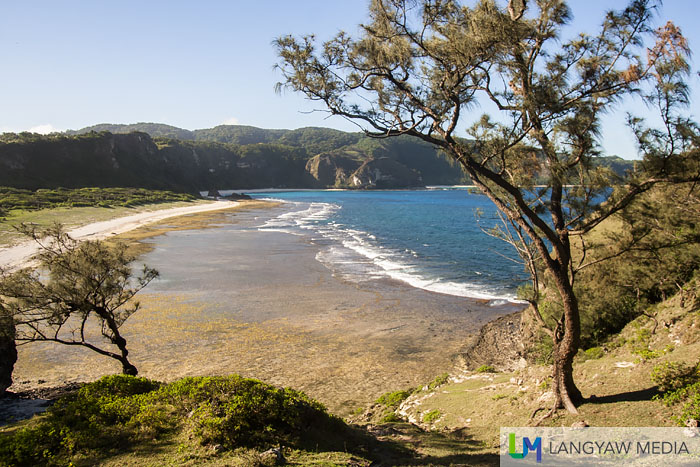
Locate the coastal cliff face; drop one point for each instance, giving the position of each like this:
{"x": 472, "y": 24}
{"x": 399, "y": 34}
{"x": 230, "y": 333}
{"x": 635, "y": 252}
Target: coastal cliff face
{"x": 104, "y": 159}
{"x": 346, "y": 169}
{"x": 332, "y": 169}
{"x": 385, "y": 173}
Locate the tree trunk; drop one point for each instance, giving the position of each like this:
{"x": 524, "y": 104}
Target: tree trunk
{"x": 118, "y": 340}
{"x": 567, "y": 337}
{"x": 127, "y": 367}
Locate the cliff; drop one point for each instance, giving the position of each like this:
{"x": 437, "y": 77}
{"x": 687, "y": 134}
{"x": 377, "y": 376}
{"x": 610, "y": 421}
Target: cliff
{"x": 228, "y": 156}
{"x": 138, "y": 160}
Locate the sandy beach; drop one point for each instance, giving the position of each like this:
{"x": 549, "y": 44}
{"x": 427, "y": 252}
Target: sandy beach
{"x": 18, "y": 255}
{"x": 233, "y": 299}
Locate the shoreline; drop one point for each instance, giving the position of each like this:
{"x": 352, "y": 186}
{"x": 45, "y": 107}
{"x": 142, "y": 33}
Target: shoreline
{"x": 18, "y": 256}
{"x": 259, "y": 304}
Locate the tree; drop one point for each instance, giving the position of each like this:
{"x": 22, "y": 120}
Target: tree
{"x": 418, "y": 67}
{"x": 80, "y": 290}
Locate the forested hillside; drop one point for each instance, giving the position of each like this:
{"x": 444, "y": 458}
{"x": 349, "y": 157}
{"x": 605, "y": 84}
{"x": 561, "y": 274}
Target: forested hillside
{"x": 158, "y": 156}
{"x": 219, "y": 158}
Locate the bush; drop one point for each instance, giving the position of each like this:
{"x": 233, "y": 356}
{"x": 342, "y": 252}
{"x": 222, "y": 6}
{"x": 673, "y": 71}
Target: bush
{"x": 671, "y": 376}
{"x": 394, "y": 399}
{"x": 234, "y": 411}
{"x": 486, "y": 369}
{"x": 439, "y": 381}
{"x": 646, "y": 354}
{"x": 594, "y": 353}
{"x": 432, "y": 416}
{"x": 689, "y": 397}
{"x": 114, "y": 412}
{"x": 392, "y": 418}
{"x": 680, "y": 384}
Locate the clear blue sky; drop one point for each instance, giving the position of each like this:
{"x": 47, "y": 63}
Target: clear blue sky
{"x": 195, "y": 64}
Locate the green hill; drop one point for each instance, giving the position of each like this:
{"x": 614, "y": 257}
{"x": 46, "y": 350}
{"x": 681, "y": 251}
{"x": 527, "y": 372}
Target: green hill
{"x": 158, "y": 156}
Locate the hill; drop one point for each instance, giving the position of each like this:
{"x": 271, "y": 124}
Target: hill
{"x": 250, "y": 158}
{"x": 164, "y": 157}
{"x": 153, "y": 129}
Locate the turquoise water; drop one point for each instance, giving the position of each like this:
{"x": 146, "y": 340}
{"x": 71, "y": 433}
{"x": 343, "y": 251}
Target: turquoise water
{"x": 430, "y": 239}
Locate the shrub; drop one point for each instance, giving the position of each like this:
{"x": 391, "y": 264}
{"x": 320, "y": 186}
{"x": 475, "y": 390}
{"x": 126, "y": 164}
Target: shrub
{"x": 439, "y": 381}
{"x": 392, "y": 418}
{"x": 646, "y": 354}
{"x": 594, "y": 353}
{"x": 486, "y": 369}
{"x": 689, "y": 396}
{"x": 432, "y": 416}
{"x": 115, "y": 411}
{"x": 233, "y": 411}
{"x": 394, "y": 399}
{"x": 671, "y": 376}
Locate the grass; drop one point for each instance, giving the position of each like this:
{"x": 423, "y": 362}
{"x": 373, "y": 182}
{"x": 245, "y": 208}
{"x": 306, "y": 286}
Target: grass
{"x": 72, "y": 217}
{"x": 125, "y": 420}
{"x": 16, "y": 198}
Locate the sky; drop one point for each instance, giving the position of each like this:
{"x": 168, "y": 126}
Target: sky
{"x": 198, "y": 64}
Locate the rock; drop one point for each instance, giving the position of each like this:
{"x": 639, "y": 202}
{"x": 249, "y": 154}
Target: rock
{"x": 346, "y": 168}
{"x": 499, "y": 344}
{"x": 217, "y": 448}
{"x": 236, "y": 196}
{"x": 274, "y": 455}
{"x": 8, "y": 352}
{"x": 579, "y": 424}
{"x": 332, "y": 168}
{"x": 213, "y": 193}
{"x": 384, "y": 173}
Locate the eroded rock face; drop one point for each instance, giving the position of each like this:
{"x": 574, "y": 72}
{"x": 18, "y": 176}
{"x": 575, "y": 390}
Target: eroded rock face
{"x": 385, "y": 173}
{"x": 332, "y": 169}
{"x": 499, "y": 344}
{"x": 8, "y": 352}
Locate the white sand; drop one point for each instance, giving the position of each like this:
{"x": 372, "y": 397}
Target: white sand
{"x": 18, "y": 255}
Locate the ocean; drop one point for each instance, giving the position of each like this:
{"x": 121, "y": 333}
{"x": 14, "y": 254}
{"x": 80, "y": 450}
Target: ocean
{"x": 430, "y": 239}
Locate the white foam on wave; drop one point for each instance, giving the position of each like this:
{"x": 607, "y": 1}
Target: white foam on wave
{"x": 355, "y": 255}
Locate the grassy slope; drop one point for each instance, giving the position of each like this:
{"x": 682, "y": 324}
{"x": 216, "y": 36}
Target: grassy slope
{"x": 617, "y": 386}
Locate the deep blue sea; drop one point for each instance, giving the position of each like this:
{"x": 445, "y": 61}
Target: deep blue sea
{"x": 430, "y": 239}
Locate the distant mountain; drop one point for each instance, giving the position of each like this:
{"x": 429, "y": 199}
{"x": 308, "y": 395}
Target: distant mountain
{"x": 153, "y": 129}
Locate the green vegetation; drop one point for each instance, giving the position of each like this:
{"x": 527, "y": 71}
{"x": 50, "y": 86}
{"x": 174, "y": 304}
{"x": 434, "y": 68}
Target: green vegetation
{"x": 439, "y": 381}
{"x": 672, "y": 376}
{"x": 486, "y": 369}
{"x": 593, "y": 353}
{"x": 394, "y": 399}
{"x": 15, "y": 198}
{"x": 680, "y": 386}
{"x": 112, "y": 414}
{"x": 431, "y": 416}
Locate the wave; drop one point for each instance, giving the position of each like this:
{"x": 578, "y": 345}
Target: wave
{"x": 357, "y": 256}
